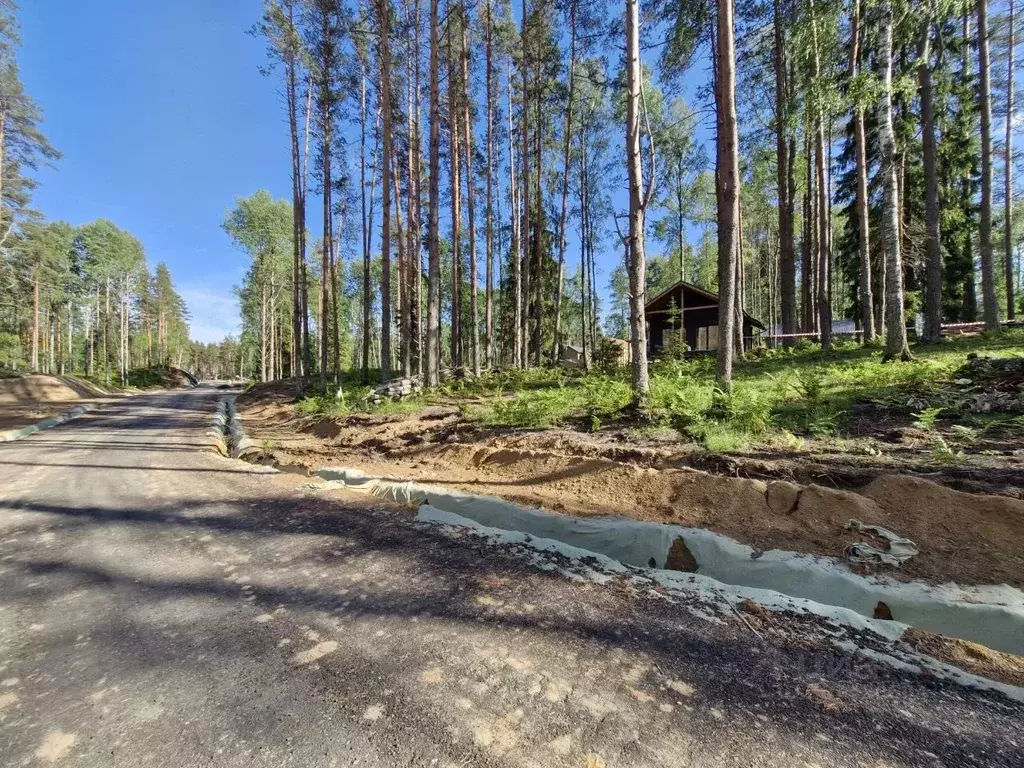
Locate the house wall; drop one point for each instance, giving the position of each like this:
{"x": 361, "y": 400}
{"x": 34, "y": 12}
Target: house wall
{"x": 701, "y": 328}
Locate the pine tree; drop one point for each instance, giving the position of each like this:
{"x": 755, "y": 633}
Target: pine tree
{"x": 784, "y": 172}
{"x": 1008, "y": 170}
{"x": 861, "y": 169}
{"x": 384, "y": 57}
{"x": 933, "y": 252}
{"x": 988, "y": 278}
{"x": 727, "y": 192}
{"x": 639, "y": 197}
{"x": 285, "y": 47}
{"x": 433, "y": 336}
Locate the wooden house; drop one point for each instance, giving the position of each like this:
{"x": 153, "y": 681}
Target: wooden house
{"x": 691, "y": 315}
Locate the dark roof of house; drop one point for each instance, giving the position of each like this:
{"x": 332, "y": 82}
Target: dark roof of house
{"x": 662, "y": 302}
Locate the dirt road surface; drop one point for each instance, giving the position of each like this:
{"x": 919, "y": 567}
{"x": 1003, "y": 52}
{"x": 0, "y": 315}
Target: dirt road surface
{"x": 163, "y": 606}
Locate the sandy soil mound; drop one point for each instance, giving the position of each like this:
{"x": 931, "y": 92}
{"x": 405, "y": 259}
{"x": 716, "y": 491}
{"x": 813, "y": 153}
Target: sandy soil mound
{"x": 29, "y": 399}
{"x": 969, "y": 538}
{"x": 179, "y": 379}
{"x": 37, "y": 388}
{"x": 273, "y": 393}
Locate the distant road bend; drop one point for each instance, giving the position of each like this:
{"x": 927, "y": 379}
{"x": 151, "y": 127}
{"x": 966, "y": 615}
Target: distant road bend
{"x": 163, "y": 606}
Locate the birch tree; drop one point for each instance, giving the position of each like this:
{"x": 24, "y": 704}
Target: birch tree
{"x": 896, "y": 332}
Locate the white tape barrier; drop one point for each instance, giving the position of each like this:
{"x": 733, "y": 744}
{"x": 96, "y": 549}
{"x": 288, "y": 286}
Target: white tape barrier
{"x": 992, "y": 615}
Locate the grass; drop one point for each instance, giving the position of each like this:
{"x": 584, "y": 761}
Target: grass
{"x": 350, "y": 397}
{"x": 780, "y": 397}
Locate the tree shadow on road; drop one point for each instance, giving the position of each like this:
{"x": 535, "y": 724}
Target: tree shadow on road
{"x": 467, "y": 586}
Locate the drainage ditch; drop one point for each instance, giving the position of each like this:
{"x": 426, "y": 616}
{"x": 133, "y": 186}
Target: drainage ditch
{"x": 992, "y": 615}
{"x": 229, "y": 438}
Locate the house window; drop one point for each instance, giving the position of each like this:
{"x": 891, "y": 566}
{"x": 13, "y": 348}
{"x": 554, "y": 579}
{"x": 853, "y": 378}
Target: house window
{"x": 707, "y": 338}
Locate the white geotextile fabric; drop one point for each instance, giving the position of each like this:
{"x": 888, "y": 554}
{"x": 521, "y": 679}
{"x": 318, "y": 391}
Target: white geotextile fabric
{"x": 619, "y": 538}
{"x": 604, "y": 568}
{"x": 227, "y": 431}
{"x": 992, "y": 615}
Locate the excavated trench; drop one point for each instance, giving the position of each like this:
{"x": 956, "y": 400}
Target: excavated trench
{"x": 990, "y": 615}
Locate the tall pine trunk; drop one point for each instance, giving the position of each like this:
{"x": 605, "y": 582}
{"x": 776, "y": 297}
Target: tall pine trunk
{"x": 932, "y": 244}
{"x": 307, "y": 351}
{"x": 432, "y": 362}
{"x": 384, "y": 54}
{"x": 562, "y": 217}
{"x": 867, "y": 316}
{"x": 524, "y": 229}
{"x": 35, "y": 319}
{"x": 517, "y": 275}
{"x": 263, "y": 331}
{"x": 787, "y": 241}
{"x": 806, "y": 270}
{"x": 414, "y": 262}
{"x": 989, "y": 301}
{"x": 291, "y": 97}
{"x": 467, "y": 131}
{"x": 488, "y": 226}
{"x": 404, "y": 295}
{"x": 727, "y": 192}
{"x": 1011, "y": 310}
{"x": 326, "y": 64}
{"x": 454, "y": 152}
{"x": 365, "y": 229}
{"x": 538, "y": 227}
{"x": 335, "y": 308}
{"x": 636, "y": 261}
{"x": 824, "y": 237}
{"x": 584, "y": 284}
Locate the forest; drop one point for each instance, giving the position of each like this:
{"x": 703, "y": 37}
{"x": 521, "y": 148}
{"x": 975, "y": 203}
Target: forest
{"x": 73, "y": 299}
{"x": 837, "y": 168}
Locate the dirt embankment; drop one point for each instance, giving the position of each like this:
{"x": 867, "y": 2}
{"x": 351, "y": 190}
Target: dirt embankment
{"x": 28, "y": 399}
{"x": 176, "y": 378}
{"x": 39, "y": 388}
{"x": 971, "y": 538}
{"x": 976, "y": 659}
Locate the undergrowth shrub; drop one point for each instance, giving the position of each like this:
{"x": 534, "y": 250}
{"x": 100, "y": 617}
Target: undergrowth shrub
{"x": 780, "y": 396}
{"x": 524, "y": 411}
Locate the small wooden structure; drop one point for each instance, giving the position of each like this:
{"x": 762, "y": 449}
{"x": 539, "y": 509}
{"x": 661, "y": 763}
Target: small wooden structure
{"x": 617, "y": 351}
{"x": 572, "y": 355}
{"x": 691, "y": 314}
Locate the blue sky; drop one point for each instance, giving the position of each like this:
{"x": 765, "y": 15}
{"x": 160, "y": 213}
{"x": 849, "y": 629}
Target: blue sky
{"x": 163, "y": 119}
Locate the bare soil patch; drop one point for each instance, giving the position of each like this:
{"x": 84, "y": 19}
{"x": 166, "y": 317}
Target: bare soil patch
{"x": 179, "y": 379}
{"x": 791, "y": 502}
{"x": 26, "y": 400}
{"x": 36, "y": 389}
{"x": 974, "y": 658}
